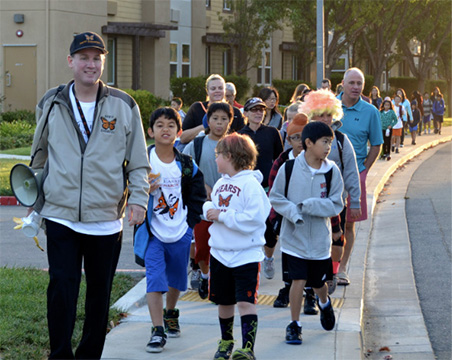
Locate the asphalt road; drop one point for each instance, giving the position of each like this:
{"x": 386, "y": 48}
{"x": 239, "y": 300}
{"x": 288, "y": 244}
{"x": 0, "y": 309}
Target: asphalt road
{"x": 17, "y": 250}
{"x": 428, "y": 212}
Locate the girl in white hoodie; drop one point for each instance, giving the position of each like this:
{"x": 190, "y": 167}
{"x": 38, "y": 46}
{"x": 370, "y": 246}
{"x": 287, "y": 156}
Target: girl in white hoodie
{"x": 238, "y": 209}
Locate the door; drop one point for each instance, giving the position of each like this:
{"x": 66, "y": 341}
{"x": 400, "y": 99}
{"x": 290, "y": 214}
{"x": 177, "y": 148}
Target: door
{"x": 20, "y": 77}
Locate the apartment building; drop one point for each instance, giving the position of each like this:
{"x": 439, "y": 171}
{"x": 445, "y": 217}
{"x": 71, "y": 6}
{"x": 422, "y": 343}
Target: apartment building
{"x": 148, "y": 41}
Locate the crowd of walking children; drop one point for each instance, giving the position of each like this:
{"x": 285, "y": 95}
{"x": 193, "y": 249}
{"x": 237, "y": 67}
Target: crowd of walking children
{"x": 233, "y": 192}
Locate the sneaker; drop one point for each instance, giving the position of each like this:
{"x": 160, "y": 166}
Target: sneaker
{"x": 269, "y": 268}
{"x": 388, "y": 158}
{"x": 171, "y": 320}
{"x": 293, "y": 334}
{"x": 157, "y": 341}
{"x": 327, "y": 318}
{"x": 203, "y": 289}
{"x": 282, "y": 301}
{"x": 393, "y": 148}
{"x": 195, "y": 277}
{"x": 401, "y": 145}
{"x": 245, "y": 353}
{"x": 332, "y": 285}
{"x": 310, "y": 306}
{"x": 397, "y": 151}
{"x": 224, "y": 350}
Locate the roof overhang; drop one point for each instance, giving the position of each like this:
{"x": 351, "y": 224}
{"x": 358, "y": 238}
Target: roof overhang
{"x": 137, "y": 29}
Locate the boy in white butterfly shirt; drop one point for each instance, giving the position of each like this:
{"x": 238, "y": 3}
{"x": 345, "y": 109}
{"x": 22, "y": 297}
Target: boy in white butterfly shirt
{"x": 239, "y": 208}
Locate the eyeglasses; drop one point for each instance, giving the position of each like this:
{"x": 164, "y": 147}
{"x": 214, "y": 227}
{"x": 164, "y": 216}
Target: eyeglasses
{"x": 257, "y": 109}
{"x": 272, "y": 99}
{"x": 295, "y": 138}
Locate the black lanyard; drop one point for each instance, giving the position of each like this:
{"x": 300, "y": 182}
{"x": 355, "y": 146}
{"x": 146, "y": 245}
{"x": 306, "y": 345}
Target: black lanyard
{"x": 82, "y": 116}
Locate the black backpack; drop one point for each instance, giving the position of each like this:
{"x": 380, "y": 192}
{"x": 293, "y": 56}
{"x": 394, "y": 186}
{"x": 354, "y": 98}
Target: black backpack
{"x": 277, "y": 221}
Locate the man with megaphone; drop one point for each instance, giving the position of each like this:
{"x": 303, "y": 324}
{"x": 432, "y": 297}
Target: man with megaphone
{"x": 90, "y": 143}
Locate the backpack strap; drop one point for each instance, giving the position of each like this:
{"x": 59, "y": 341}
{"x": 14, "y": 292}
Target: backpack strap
{"x": 197, "y": 143}
{"x": 288, "y": 168}
{"x": 340, "y": 146}
{"x": 59, "y": 89}
{"x": 328, "y": 176}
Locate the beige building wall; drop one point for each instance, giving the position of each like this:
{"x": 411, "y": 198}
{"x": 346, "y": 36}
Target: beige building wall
{"x": 199, "y": 27}
{"x": 49, "y": 25}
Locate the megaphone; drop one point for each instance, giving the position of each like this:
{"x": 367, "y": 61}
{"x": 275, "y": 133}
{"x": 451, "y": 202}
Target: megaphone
{"x": 25, "y": 183}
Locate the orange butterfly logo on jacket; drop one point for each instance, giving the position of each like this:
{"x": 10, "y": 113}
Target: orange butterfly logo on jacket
{"x": 108, "y": 124}
{"x": 224, "y": 202}
{"x": 163, "y": 207}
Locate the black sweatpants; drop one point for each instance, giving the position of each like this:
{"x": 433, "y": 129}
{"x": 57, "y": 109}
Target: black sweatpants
{"x": 65, "y": 251}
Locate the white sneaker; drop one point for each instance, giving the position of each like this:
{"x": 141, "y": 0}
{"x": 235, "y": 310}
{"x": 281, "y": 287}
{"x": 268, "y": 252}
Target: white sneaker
{"x": 195, "y": 279}
{"x": 269, "y": 268}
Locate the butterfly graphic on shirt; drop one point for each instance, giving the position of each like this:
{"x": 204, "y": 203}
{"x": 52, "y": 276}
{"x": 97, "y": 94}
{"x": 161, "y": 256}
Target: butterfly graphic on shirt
{"x": 167, "y": 207}
{"x": 224, "y": 201}
{"x": 108, "y": 125}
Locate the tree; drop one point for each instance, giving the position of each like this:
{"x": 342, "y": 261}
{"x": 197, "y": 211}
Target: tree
{"x": 379, "y": 38}
{"x": 429, "y": 37}
{"x": 249, "y": 29}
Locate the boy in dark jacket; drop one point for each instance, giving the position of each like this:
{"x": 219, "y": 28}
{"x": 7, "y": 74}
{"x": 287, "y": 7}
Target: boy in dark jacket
{"x": 175, "y": 205}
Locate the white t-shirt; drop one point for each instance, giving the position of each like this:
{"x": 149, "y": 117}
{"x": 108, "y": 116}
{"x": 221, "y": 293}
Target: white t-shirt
{"x": 169, "y": 218}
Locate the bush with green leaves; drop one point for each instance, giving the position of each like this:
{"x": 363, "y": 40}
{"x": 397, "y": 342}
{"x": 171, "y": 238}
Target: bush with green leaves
{"x": 147, "y": 102}
{"x": 193, "y": 89}
{"x": 16, "y": 134}
{"x": 19, "y": 115}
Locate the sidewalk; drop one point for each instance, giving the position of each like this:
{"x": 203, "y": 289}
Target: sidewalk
{"x": 199, "y": 319}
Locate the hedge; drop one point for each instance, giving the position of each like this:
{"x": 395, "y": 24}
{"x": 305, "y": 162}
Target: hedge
{"x": 192, "y": 89}
{"x": 19, "y": 115}
{"x": 16, "y": 134}
{"x": 147, "y": 102}
{"x": 410, "y": 84}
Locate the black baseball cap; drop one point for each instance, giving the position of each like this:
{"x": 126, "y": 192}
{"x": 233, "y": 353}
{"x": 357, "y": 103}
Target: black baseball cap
{"x": 87, "y": 40}
{"x": 253, "y": 102}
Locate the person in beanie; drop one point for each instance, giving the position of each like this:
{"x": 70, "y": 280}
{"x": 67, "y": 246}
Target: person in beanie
{"x": 90, "y": 141}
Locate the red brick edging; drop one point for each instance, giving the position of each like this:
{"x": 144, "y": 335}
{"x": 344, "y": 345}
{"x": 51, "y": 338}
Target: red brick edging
{"x": 8, "y": 200}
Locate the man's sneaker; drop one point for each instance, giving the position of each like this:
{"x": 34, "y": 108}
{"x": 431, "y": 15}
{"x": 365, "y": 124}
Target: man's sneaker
{"x": 244, "y": 353}
{"x": 224, "y": 350}
{"x": 203, "y": 289}
{"x": 327, "y": 318}
{"x": 195, "y": 277}
{"x": 171, "y": 320}
{"x": 332, "y": 284}
{"x": 293, "y": 334}
{"x": 157, "y": 341}
{"x": 310, "y": 306}
{"x": 269, "y": 268}
{"x": 282, "y": 301}
{"x": 401, "y": 145}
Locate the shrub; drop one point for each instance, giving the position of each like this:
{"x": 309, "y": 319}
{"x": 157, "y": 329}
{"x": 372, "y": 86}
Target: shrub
{"x": 286, "y": 88}
{"x": 147, "y": 102}
{"x": 409, "y": 84}
{"x": 19, "y": 115}
{"x": 16, "y": 134}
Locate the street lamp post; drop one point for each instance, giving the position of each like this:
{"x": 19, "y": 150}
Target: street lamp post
{"x": 320, "y": 44}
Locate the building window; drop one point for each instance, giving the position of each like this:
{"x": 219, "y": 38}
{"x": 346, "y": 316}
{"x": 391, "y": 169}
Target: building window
{"x": 207, "y": 60}
{"x": 173, "y": 60}
{"x": 340, "y": 65}
{"x": 185, "y": 60}
{"x": 227, "y": 62}
{"x": 208, "y": 4}
{"x": 264, "y": 70}
{"x": 227, "y": 5}
{"x": 111, "y": 62}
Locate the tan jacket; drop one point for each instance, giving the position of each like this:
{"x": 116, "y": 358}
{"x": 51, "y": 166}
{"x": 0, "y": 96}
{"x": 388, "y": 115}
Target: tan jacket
{"x": 90, "y": 181}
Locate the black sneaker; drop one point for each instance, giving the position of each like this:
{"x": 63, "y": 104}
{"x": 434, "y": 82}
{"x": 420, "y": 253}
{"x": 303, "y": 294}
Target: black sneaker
{"x": 293, "y": 334}
{"x": 171, "y": 320}
{"x": 203, "y": 289}
{"x": 245, "y": 353}
{"x": 282, "y": 301}
{"x": 224, "y": 349}
{"x": 310, "y": 305}
{"x": 157, "y": 341}
{"x": 327, "y": 318}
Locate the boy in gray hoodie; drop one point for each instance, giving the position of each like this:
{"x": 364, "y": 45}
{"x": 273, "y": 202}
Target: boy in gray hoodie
{"x": 305, "y": 234}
